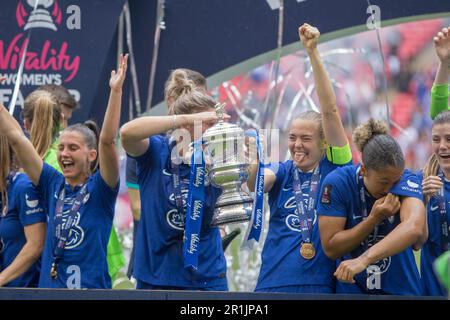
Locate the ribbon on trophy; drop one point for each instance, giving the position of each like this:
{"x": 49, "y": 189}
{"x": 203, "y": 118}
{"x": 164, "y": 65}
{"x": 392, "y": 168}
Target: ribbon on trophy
{"x": 255, "y": 225}
{"x": 194, "y": 212}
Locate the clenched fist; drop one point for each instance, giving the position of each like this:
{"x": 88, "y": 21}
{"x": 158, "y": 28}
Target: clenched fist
{"x": 309, "y": 36}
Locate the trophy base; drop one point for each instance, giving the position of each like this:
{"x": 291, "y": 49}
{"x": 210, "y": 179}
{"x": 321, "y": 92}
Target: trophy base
{"x": 232, "y": 213}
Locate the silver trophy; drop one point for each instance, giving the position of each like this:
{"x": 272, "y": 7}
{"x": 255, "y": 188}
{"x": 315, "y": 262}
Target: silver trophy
{"x": 228, "y": 170}
{"x": 40, "y": 18}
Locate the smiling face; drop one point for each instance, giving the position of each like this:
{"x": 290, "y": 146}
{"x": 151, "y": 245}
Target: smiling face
{"x": 74, "y": 157}
{"x": 305, "y": 144}
{"x": 440, "y": 135}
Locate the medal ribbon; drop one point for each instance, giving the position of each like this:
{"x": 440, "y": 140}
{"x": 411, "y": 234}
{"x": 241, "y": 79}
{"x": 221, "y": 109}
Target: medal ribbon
{"x": 363, "y": 202}
{"x": 306, "y": 215}
{"x": 196, "y": 199}
{"x": 62, "y": 230}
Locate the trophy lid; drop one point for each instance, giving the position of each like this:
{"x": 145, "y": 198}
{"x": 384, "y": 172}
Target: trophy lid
{"x": 222, "y": 127}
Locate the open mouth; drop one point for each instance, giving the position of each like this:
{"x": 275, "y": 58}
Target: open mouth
{"x": 299, "y": 156}
{"x": 66, "y": 164}
{"x": 445, "y": 156}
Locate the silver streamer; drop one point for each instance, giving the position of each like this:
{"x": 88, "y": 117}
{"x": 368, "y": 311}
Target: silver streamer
{"x": 160, "y": 25}
{"x": 12, "y": 105}
{"x": 280, "y": 98}
{"x": 243, "y": 118}
{"x": 130, "y": 105}
{"x": 120, "y": 35}
{"x": 276, "y": 64}
{"x": 133, "y": 73}
{"x": 385, "y": 85}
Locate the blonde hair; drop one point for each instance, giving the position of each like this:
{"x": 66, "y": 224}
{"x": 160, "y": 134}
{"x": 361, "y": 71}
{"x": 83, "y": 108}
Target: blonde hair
{"x": 44, "y": 114}
{"x": 5, "y": 160}
{"x": 379, "y": 150}
{"x": 190, "y": 99}
{"x": 314, "y": 117}
{"x": 177, "y": 83}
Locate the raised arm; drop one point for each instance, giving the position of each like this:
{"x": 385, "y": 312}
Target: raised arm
{"x": 332, "y": 124}
{"x": 134, "y": 134}
{"x": 408, "y": 233}
{"x": 29, "y": 159}
{"x": 109, "y": 162}
{"x": 336, "y": 241}
{"x": 439, "y": 92}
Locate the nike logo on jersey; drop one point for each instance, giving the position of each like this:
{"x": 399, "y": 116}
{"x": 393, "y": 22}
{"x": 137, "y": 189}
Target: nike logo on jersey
{"x": 433, "y": 208}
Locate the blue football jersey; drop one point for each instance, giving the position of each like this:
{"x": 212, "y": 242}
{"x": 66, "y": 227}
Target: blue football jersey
{"x": 398, "y": 275}
{"x": 432, "y": 249}
{"x": 83, "y": 264}
{"x": 282, "y": 265}
{"x": 24, "y": 209}
{"x": 159, "y": 243}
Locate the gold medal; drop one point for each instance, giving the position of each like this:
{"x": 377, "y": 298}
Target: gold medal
{"x": 307, "y": 250}
{"x": 53, "y": 271}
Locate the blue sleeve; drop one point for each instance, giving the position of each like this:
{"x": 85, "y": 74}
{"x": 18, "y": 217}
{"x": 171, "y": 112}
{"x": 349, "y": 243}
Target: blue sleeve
{"x": 149, "y": 159}
{"x": 49, "y": 176}
{"x": 333, "y": 198}
{"x": 419, "y": 175}
{"x": 108, "y": 195}
{"x": 31, "y": 208}
{"x": 409, "y": 185}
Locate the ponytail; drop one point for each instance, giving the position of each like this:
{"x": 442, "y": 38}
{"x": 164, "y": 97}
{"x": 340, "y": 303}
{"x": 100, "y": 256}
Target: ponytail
{"x": 182, "y": 81}
{"x": 379, "y": 150}
{"x": 44, "y": 115}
